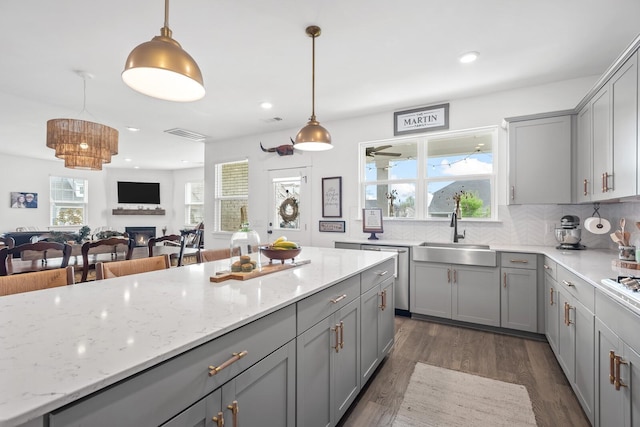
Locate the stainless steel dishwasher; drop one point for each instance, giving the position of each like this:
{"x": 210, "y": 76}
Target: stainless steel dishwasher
{"x": 402, "y": 275}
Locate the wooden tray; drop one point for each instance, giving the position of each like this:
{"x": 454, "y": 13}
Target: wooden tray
{"x": 266, "y": 269}
{"x": 625, "y": 264}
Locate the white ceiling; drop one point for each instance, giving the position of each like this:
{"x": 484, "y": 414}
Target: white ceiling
{"x": 372, "y": 56}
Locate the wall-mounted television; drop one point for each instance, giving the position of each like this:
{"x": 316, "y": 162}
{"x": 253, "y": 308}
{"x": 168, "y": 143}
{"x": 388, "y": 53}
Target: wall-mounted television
{"x": 139, "y": 192}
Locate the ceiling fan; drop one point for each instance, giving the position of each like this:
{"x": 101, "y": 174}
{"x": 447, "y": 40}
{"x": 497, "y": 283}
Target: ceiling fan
{"x": 376, "y": 151}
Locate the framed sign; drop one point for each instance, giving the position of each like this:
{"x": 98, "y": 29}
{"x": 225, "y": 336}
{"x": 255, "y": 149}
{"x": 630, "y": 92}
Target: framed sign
{"x": 435, "y": 117}
{"x": 332, "y": 226}
{"x": 372, "y": 222}
{"x": 332, "y": 197}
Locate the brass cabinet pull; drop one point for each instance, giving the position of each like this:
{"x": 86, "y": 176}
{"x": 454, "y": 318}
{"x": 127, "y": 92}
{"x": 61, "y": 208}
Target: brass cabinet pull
{"x": 618, "y": 382}
{"x": 605, "y": 182}
{"x": 236, "y": 356}
{"x": 382, "y": 273}
{"x": 612, "y": 356}
{"x": 341, "y": 334}
{"x": 455, "y": 276}
{"x": 567, "y": 314}
{"x": 448, "y": 275}
{"x": 568, "y": 283}
{"x": 219, "y": 419}
{"x": 383, "y": 300}
{"x": 585, "y": 187}
{"x": 234, "y": 411}
{"x": 546, "y": 267}
{"x": 551, "y": 296}
{"x": 337, "y": 336}
{"x": 519, "y": 261}
{"x": 504, "y": 280}
{"x": 513, "y": 192}
{"x": 337, "y": 300}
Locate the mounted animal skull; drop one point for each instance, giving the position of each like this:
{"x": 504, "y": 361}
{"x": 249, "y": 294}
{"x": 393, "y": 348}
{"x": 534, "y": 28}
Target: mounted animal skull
{"x": 282, "y": 150}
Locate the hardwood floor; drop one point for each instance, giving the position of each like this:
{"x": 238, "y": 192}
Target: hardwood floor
{"x": 501, "y": 357}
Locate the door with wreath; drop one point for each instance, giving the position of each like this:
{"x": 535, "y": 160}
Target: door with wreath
{"x": 290, "y": 205}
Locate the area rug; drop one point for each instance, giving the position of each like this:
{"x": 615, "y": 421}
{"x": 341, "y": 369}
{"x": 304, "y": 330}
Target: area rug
{"x": 438, "y": 397}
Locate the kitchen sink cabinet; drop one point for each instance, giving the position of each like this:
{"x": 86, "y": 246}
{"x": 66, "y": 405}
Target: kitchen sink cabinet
{"x": 328, "y": 373}
{"x": 519, "y": 292}
{"x": 458, "y": 292}
{"x": 537, "y": 141}
{"x": 617, "y": 353}
{"x": 377, "y": 327}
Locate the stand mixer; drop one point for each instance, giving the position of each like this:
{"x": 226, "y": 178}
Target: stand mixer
{"x": 568, "y": 234}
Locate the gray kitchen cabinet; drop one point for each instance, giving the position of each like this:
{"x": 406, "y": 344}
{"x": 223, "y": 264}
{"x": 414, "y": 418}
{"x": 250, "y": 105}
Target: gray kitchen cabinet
{"x": 346, "y": 245}
{"x": 551, "y": 307}
{"x": 584, "y": 180}
{"x": 534, "y": 142}
{"x": 617, "y": 353}
{"x": 610, "y": 122}
{"x": 266, "y": 391}
{"x": 519, "y": 290}
{"x": 575, "y": 353}
{"x": 458, "y": 292}
{"x": 377, "y": 327}
{"x": 328, "y": 372}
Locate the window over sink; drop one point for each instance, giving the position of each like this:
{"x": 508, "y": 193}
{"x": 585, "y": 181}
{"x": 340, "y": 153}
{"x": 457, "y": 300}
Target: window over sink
{"x": 418, "y": 177}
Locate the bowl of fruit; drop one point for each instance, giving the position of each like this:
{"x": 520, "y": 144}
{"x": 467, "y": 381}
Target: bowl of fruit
{"x": 281, "y": 249}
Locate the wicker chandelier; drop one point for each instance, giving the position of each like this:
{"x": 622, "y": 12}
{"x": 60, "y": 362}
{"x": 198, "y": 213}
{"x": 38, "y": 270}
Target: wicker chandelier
{"x": 82, "y": 144}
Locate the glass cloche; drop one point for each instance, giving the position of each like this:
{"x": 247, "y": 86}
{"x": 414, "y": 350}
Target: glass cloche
{"x": 245, "y": 242}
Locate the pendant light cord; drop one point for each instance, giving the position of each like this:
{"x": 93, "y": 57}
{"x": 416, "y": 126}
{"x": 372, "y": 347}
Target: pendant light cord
{"x": 313, "y": 77}
{"x": 166, "y": 13}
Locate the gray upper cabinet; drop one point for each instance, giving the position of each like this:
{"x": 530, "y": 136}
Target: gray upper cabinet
{"x": 584, "y": 181}
{"x": 539, "y": 160}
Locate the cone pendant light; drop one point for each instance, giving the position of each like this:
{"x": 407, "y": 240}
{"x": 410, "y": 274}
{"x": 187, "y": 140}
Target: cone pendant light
{"x": 313, "y": 137}
{"x": 160, "y": 68}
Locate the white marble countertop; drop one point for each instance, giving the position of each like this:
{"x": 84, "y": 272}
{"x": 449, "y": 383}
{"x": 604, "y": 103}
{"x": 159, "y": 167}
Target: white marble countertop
{"x": 58, "y": 345}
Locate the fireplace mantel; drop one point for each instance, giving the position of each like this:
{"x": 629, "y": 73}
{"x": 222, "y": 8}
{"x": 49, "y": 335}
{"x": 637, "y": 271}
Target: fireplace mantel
{"x": 120, "y": 211}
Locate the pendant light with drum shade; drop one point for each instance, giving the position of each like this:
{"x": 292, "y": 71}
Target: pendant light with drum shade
{"x": 82, "y": 144}
{"x": 160, "y": 68}
{"x": 313, "y": 137}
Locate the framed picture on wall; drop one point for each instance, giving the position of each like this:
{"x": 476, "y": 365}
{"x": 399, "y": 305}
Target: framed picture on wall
{"x": 332, "y": 197}
{"x": 23, "y": 199}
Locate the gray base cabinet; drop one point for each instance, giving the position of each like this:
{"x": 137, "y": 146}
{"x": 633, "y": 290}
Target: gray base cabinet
{"x": 458, "y": 292}
{"x": 551, "y": 310}
{"x": 519, "y": 292}
{"x": 328, "y": 377}
{"x": 617, "y": 352}
{"x": 377, "y": 329}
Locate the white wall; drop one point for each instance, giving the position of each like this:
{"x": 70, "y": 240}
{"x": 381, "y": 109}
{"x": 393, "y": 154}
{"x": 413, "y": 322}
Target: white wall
{"x": 33, "y": 175}
{"x": 528, "y": 225}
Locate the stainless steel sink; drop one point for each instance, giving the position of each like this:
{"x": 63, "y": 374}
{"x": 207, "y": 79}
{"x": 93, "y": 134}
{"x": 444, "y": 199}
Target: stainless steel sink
{"x": 455, "y": 253}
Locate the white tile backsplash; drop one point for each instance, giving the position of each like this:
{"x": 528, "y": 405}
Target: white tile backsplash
{"x": 531, "y": 225}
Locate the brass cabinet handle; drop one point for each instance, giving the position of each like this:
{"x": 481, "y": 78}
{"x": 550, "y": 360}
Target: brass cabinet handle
{"x": 519, "y": 261}
{"x": 341, "y": 334}
{"x": 605, "y": 182}
{"x": 568, "y": 283}
{"x": 382, "y": 273}
{"x": 513, "y": 192}
{"x": 551, "y": 296}
{"x": 337, "y": 336}
{"x": 448, "y": 275}
{"x": 383, "y": 300}
{"x": 504, "y": 280}
{"x": 567, "y": 314}
{"x": 546, "y": 267}
{"x": 455, "y": 276}
{"x": 219, "y": 419}
{"x": 585, "y": 187}
{"x": 612, "y": 356}
{"x": 236, "y": 356}
{"x": 618, "y": 382}
{"x": 234, "y": 411}
{"x": 337, "y": 300}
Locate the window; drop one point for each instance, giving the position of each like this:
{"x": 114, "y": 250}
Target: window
{"x": 417, "y": 178}
{"x": 69, "y": 199}
{"x": 231, "y": 195}
{"x": 194, "y": 202}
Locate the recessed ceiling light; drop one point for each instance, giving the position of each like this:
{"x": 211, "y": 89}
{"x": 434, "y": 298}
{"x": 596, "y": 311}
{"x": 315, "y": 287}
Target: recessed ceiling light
{"x": 184, "y": 161}
{"x": 136, "y": 167}
{"x": 266, "y": 105}
{"x": 132, "y": 129}
{"x": 127, "y": 160}
{"x": 468, "y": 57}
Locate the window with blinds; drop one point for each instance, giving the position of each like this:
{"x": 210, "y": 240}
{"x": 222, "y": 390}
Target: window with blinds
{"x": 68, "y": 201}
{"x": 231, "y": 194}
{"x": 194, "y": 203}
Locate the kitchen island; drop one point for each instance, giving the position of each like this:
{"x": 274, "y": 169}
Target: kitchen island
{"x": 61, "y": 345}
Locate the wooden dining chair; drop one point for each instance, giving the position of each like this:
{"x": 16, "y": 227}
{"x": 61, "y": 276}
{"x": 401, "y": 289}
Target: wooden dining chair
{"x": 132, "y": 266}
{"x": 190, "y": 240}
{"x": 104, "y": 250}
{"x": 207, "y": 255}
{"x": 35, "y": 281}
{"x": 174, "y": 240}
{"x": 36, "y": 257}
{"x": 7, "y": 242}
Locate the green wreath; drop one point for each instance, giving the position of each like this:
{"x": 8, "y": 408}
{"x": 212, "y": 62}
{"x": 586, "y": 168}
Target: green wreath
{"x": 286, "y": 205}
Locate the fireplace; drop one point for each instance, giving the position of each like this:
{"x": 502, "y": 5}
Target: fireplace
{"x": 140, "y": 235}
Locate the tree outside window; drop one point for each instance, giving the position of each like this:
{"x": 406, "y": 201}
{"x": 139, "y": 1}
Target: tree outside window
{"x": 69, "y": 201}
